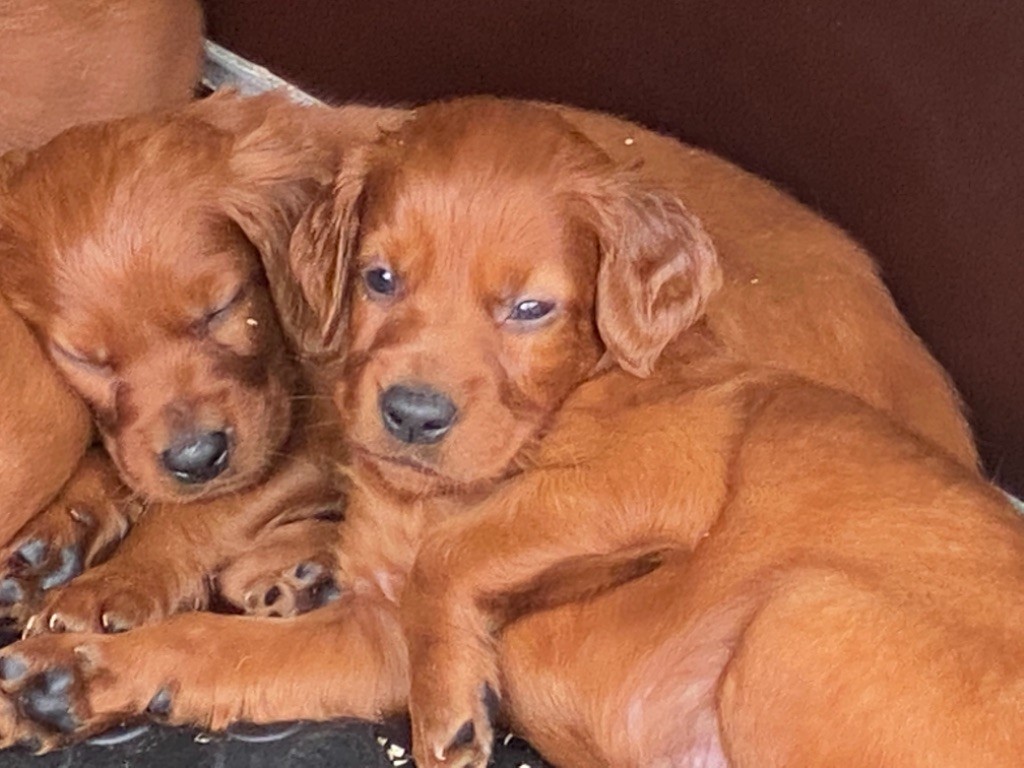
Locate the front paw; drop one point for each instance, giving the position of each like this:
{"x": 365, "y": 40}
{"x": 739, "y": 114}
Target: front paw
{"x": 453, "y": 704}
{"x": 101, "y": 601}
{"x": 80, "y": 527}
{"x": 307, "y": 586}
{"x": 60, "y": 688}
{"x": 288, "y": 574}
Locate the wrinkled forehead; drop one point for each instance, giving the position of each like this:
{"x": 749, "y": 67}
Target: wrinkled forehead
{"x": 461, "y": 225}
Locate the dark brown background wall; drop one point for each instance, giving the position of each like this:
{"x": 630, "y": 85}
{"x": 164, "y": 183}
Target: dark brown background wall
{"x": 901, "y": 120}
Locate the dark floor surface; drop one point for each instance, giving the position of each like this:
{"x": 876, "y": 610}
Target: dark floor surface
{"x": 348, "y": 744}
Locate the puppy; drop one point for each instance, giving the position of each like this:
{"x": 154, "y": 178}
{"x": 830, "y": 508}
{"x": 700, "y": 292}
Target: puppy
{"x": 496, "y": 291}
{"x": 798, "y": 268}
{"x": 63, "y": 63}
{"x": 149, "y": 279}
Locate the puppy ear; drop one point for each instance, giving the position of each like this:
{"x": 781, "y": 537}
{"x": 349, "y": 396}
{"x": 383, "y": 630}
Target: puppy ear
{"x": 658, "y": 269}
{"x": 278, "y": 164}
{"x": 318, "y": 259}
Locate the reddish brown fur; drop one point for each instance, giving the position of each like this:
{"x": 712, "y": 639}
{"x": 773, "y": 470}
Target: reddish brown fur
{"x": 65, "y": 62}
{"x": 160, "y": 221}
{"x": 799, "y": 532}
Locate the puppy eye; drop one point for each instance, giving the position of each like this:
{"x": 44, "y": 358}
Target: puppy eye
{"x": 530, "y": 310}
{"x": 380, "y": 280}
{"x": 225, "y": 309}
{"x": 84, "y": 362}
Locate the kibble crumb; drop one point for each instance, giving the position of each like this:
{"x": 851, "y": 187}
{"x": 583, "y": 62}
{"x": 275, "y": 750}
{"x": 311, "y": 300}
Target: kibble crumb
{"x": 395, "y": 751}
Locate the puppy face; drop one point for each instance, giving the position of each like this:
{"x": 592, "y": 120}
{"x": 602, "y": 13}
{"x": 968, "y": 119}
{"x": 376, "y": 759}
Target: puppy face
{"x": 124, "y": 247}
{"x": 491, "y": 258}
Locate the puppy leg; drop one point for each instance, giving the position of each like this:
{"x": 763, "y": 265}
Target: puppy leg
{"x": 289, "y": 571}
{"x": 347, "y": 660}
{"x": 79, "y": 528}
{"x": 165, "y": 563}
{"x": 505, "y": 548}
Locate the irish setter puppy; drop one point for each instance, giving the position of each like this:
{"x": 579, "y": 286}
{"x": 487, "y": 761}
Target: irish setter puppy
{"x": 144, "y": 254}
{"x": 530, "y": 351}
{"x": 64, "y": 62}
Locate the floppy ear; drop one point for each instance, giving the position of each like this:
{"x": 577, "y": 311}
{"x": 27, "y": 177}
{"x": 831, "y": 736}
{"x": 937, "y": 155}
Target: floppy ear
{"x": 658, "y": 269}
{"x": 318, "y": 259}
{"x": 278, "y": 166}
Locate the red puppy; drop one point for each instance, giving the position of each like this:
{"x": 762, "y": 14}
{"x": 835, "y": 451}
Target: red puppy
{"x": 149, "y": 278}
{"x": 506, "y": 290}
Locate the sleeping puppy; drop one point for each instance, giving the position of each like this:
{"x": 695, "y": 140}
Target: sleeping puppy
{"x": 541, "y": 405}
{"x": 64, "y": 62}
{"x": 149, "y": 280}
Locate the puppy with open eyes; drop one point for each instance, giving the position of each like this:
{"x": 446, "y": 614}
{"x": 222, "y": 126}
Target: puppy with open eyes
{"x": 544, "y": 408}
{"x": 154, "y": 280}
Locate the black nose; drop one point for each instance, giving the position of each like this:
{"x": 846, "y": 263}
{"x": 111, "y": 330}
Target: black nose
{"x": 197, "y": 459}
{"x": 418, "y": 415}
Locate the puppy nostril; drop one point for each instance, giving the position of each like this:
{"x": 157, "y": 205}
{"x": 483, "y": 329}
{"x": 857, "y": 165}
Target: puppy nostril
{"x": 417, "y": 414}
{"x": 197, "y": 459}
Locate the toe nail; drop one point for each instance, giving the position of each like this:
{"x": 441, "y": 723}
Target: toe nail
{"x": 56, "y": 624}
{"x": 12, "y": 668}
{"x": 11, "y": 592}
{"x": 80, "y": 516}
{"x": 112, "y": 625}
{"x": 272, "y": 596}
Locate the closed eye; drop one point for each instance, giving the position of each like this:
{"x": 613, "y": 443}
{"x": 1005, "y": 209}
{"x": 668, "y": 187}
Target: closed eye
{"x": 222, "y": 311}
{"x": 92, "y": 365}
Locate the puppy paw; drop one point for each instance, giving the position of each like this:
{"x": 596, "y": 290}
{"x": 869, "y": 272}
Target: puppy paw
{"x": 60, "y": 688}
{"x": 455, "y": 733}
{"x": 79, "y": 528}
{"x": 295, "y": 590}
{"x": 102, "y": 600}
{"x": 290, "y": 570}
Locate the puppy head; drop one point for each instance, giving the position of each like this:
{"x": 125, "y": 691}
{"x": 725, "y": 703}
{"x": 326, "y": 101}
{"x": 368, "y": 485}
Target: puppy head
{"x": 139, "y": 251}
{"x": 488, "y": 257}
